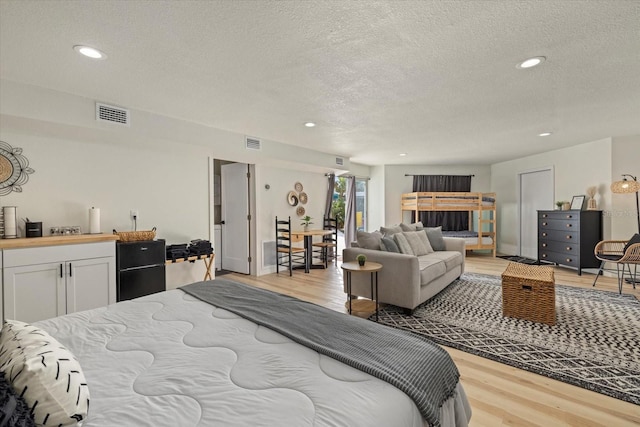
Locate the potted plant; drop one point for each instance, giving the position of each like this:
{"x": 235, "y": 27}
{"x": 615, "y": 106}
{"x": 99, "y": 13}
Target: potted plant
{"x": 306, "y": 222}
{"x": 559, "y": 205}
{"x": 361, "y": 259}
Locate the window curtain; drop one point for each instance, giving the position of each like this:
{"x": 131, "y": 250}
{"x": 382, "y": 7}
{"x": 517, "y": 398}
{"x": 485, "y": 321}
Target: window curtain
{"x": 331, "y": 185}
{"x": 350, "y": 212}
{"x": 449, "y": 220}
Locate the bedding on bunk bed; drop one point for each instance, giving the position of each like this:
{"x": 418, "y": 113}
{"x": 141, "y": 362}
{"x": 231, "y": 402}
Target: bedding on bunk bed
{"x": 470, "y": 237}
{"x": 171, "y": 359}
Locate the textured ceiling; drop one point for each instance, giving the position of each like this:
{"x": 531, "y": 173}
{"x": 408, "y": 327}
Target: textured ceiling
{"x": 434, "y": 79}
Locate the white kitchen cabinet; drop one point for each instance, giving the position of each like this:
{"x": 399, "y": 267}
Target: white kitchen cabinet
{"x": 48, "y": 281}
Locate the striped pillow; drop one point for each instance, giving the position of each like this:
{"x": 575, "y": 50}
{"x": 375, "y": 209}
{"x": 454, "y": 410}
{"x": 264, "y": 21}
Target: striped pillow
{"x": 44, "y": 373}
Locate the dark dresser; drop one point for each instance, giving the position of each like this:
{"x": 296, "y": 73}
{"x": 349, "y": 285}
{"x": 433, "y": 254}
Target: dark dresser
{"x": 140, "y": 269}
{"x": 569, "y": 237}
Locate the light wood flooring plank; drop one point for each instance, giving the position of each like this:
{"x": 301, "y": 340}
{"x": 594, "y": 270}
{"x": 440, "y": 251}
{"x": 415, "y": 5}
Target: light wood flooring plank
{"x": 500, "y": 395}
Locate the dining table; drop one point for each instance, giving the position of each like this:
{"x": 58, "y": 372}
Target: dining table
{"x": 308, "y": 245}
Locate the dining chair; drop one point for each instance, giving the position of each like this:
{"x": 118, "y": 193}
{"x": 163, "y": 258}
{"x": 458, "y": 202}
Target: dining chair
{"x": 327, "y": 248}
{"x": 623, "y": 253}
{"x": 287, "y": 254}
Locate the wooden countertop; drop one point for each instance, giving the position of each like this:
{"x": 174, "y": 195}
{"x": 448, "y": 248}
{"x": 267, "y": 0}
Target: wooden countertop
{"x": 71, "y": 239}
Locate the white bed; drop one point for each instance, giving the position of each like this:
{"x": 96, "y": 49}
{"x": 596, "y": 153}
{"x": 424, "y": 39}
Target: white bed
{"x": 169, "y": 359}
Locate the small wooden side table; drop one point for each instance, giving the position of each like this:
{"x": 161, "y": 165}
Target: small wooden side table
{"x": 368, "y": 267}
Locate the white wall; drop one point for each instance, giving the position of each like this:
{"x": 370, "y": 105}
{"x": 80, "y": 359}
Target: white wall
{"x": 625, "y": 158}
{"x": 158, "y": 165}
{"x": 376, "y": 198}
{"x": 576, "y": 168}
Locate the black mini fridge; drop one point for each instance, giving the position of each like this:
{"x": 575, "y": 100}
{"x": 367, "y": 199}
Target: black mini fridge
{"x": 141, "y": 268}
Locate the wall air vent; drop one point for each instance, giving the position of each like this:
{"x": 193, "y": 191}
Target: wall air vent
{"x": 111, "y": 114}
{"x": 252, "y": 143}
{"x": 339, "y": 161}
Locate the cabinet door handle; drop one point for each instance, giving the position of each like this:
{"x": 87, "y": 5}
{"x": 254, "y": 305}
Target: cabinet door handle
{"x": 544, "y": 223}
{"x": 544, "y": 234}
{"x": 61, "y": 272}
{"x": 544, "y": 215}
{"x": 568, "y": 248}
{"x": 569, "y": 216}
{"x": 70, "y": 270}
{"x": 544, "y": 245}
{"x": 568, "y": 237}
{"x": 569, "y": 225}
{"x": 568, "y": 259}
{"x": 544, "y": 255}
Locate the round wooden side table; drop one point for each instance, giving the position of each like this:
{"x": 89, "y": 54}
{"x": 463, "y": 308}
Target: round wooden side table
{"x": 369, "y": 267}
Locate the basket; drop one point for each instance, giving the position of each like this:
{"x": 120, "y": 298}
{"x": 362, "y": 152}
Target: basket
{"x": 135, "y": 236}
{"x": 528, "y": 292}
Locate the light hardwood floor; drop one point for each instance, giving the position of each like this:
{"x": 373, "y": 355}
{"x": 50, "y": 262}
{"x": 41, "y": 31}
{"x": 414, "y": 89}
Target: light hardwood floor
{"x": 499, "y": 394}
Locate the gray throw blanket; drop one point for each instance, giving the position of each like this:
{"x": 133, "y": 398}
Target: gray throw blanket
{"x": 421, "y": 369}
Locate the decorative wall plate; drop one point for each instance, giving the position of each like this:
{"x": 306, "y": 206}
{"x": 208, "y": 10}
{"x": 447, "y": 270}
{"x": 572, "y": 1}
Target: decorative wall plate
{"x": 292, "y": 198}
{"x": 300, "y": 211}
{"x": 302, "y": 197}
{"x": 14, "y": 169}
{"x": 298, "y": 187}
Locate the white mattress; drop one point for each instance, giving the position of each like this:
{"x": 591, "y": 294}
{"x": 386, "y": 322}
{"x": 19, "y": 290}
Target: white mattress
{"x": 171, "y": 360}
{"x": 474, "y": 241}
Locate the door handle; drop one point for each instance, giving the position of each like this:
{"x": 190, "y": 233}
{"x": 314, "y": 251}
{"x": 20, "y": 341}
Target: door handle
{"x": 61, "y": 273}
{"x": 70, "y": 270}
{"x": 222, "y": 222}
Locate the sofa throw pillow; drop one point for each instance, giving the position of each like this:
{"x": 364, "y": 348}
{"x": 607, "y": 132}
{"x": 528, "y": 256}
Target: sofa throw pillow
{"x": 369, "y": 240}
{"x": 390, "y": 231}
{"x": 403, "y": 244}
{"x": 419, "y": 242}
{"x": 44, "y": 373}
{"x": 14, "y": 411}
{"x": 434, "y": 234}
{"x": 416, "y": 226}
{"x": 389, "y": 245}
{"x": 632, "y": 241}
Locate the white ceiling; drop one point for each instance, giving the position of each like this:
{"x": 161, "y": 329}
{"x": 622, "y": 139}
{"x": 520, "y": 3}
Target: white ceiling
{"x": 434, "y": 79}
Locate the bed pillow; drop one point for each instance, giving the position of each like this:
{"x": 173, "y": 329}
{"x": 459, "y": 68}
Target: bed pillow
{"x": 14, "y": 411}
{"x": 434, "y": 234}
{"x": 44, "y": 373}
{"x": 403, "y": 244}
{"x": 416, "y": 226}
{"x": 390, "y": 231}
{"x": 389, "y": 245}
{"x": 369, "y": 240}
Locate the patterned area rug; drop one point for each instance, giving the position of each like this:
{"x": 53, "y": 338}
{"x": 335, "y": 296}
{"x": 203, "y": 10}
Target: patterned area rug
{"x": 521, "y": 260}
{"x": 595, "y": 343}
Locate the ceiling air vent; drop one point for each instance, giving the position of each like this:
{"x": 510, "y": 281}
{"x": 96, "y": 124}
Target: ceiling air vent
{"x": 111, "y": 114}
{"x": 253, "y": 143}
{"x": 339, "y": 161}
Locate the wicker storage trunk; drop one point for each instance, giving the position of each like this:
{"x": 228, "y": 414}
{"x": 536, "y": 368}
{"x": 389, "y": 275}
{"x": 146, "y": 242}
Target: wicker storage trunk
{"x": 528, "y": 292}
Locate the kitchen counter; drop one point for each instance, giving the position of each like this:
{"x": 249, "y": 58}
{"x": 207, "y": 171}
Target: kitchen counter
{"x": 71, "y": 239}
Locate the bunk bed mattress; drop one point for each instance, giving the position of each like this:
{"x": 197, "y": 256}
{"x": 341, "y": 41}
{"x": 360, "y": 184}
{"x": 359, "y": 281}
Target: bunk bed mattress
{"x": 470, "y": 237}
{"x": 169, "y": 359}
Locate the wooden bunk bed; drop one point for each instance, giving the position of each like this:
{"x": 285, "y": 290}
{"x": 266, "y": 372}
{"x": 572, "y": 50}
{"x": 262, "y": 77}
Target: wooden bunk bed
{"x": 482, "y": 203}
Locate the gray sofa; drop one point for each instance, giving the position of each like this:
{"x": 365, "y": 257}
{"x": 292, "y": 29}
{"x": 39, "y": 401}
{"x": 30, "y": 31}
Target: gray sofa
{"x": 408, "y": 280}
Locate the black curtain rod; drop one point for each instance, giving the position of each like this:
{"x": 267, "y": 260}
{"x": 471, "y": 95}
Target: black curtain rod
{"x": 408, "y": 174}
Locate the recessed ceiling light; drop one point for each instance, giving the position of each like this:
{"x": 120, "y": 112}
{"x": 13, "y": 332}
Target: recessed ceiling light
{"x": 310, "y": 124}
{"x": 544, "y": 134}
{"x": 531, "y": 62}
{"x": 403, "y": 154}
{"x": 89, "y": 52}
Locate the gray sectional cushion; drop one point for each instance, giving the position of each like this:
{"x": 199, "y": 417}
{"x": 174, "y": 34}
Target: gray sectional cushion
{"x": 434, "y": 234}
{"x": 416, "y": 226}
{"x": 403, "y": 244}
{"x": 389, "y": 245}
{"x": 430, "y": 268}
{"x": 390, "y": 231}
{"x": 369, "y": 240}
{"x": 452, "y": 259}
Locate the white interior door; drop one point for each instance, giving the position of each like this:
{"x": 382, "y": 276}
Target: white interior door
{"x": 235, "y": 217}
{"x": 536, "y": 193}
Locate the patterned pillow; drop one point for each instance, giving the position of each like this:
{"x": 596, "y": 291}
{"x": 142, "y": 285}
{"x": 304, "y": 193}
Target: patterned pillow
{"x": 419, "y": 242}
{"x": 389, "y": 245}
{"x": 434, "y": 234}
{"x": 403, "y": 244}
{"x": 44, "y": 373}
{"x": 14, "y": 411}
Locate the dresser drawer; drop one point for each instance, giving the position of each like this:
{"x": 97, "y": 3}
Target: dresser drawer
{"x": 558, "y": 224}
{"x": 571, "y": 260}
{"x": 559, "y": 215}
{"x": 569, "y": 248}
{"x": 559, "y": 236}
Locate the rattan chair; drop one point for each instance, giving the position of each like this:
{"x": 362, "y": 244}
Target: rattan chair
{"x": 287, "y": 254}
{"x": 328, "y": 248}
{"x": 623, "y": 253}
